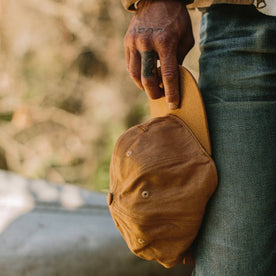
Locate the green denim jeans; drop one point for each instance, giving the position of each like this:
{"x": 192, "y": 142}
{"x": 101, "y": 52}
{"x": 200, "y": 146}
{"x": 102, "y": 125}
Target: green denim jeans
{"x": 238, "y": 83}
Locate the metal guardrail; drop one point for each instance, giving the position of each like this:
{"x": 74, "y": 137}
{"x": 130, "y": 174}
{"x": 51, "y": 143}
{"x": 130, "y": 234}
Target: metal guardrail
{"x": 49, "y": 229}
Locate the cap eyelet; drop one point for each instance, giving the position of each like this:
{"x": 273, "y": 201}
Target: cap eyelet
{"x": 141, "y": 241}
{"x": 145, "y": 194}
{"x": 129, "y": 152}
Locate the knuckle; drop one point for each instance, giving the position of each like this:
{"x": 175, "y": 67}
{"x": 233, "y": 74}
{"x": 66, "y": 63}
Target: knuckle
{"x": 130, "y": 45}
{"x": 126, "y": 38}
{"x": 161, "y": 40}
{"x": 134, "y": 74}
{"x": 129, "y": 38}
{"x": 171, "y": 97}
{"x": 169, "y": 75}
{"x": 164, "y": 43}
{"x": 148, "y": 82}
{"x": 167, "y": 53}
{"x": 171, "y": 94}
{"x": 144, "y": 41}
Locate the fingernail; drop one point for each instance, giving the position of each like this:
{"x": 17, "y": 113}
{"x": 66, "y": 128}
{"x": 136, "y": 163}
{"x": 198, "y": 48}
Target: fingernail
{"x": 173, "y": 106}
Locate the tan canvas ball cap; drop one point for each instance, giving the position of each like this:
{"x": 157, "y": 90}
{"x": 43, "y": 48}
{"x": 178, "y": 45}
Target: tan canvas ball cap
{"x": 161, "y": 179}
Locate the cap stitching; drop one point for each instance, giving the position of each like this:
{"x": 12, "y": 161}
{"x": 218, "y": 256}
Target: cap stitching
{"x": 191, "y": 132}
{"x": 143, "y": 127}
{"x": 151, "y": 122}
{"x": 163, "y": 163}
{"x": 116, "y": 148}
{"x": 201, "y": 147}
{"x": 116, "y": 209}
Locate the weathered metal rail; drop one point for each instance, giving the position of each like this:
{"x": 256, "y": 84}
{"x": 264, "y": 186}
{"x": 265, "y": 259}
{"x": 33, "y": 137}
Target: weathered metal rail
{"x": 49, "y": 229}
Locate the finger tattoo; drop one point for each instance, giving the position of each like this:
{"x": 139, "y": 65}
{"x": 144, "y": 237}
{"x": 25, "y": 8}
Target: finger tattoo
{"x": 148, "y": 62}
{"x": 141, "y": 30}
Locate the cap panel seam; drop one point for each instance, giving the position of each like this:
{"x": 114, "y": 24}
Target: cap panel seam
{"x": 159, "y": 165}
{"x": 191, "y": 132}
{"x": 117, "y": 148}
{"x": 183, "y": 125}
{"x": 201, "y": 147}
{"x": 164, "y": 163}
{"x": 135, "y": 219}
{"x": 148, "y": 124}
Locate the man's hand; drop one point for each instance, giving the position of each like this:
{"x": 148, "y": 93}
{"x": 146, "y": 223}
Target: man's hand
{"x": 160, "y": 29}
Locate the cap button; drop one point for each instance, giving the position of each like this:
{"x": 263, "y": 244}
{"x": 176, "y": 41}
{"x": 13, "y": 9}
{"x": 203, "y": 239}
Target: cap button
{"x": 109, "y": 198}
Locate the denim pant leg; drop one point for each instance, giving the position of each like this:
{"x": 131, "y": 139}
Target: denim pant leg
{"x": 238, "y": 83}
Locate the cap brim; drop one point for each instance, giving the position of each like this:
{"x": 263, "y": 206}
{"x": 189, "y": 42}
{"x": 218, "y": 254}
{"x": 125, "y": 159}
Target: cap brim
{"x": 191, "y": 109}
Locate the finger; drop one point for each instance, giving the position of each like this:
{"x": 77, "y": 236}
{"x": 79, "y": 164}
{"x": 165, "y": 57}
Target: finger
{"x": 127, "y": 42}
{"x": 169, "y": 71}
{"x": 135, "y": 68}
{"x": 127, "y": 57}
{"x": 150, "y": 75}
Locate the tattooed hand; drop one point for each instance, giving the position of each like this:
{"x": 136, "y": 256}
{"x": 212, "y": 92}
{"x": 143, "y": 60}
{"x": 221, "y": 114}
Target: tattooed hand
{"x": 160, "y": 29}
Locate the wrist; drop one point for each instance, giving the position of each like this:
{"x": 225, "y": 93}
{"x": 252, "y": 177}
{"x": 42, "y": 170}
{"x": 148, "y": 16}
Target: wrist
{"x": 139, "y": 2}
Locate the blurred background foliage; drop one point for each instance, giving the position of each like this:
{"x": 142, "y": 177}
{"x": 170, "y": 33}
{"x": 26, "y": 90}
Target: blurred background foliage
{"x": 65, "y": 95}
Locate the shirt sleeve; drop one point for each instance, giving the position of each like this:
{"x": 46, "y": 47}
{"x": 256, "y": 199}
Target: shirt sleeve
{"x": 131, "y": 4}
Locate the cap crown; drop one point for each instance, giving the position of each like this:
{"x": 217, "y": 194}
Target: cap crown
{"x": 160, "y": 181}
